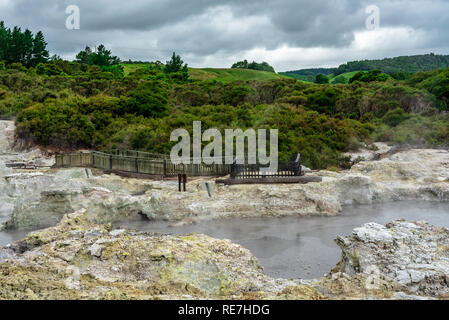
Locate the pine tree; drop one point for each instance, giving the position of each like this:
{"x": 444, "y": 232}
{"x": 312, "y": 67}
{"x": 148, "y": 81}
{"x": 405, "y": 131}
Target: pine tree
{"x": 28, "y": 48}
{"x": 4, "y": 41}
{"x": 85, "y": 56}
{"x": 104, "y": 57}
{"x": 16, "y": 46}
{"x": 101, "y": 57}
{"x": 175, "y": 64}
{"x": 40, "y": 53}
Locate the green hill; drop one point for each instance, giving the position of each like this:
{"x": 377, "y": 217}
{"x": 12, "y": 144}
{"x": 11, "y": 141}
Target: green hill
{"x": 410, "y": 64}
{"x": 308, "y": 75}
{"x": 130, "y": 67}
{"x": 228, "y": 75}
{"x": 342, "y": 78}
{"x": 224, "y": 75}
{"x": 391, "y": 66}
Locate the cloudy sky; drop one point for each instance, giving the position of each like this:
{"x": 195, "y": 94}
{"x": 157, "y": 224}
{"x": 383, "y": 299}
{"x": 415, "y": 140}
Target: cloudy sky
{"x": 289, "y": 34}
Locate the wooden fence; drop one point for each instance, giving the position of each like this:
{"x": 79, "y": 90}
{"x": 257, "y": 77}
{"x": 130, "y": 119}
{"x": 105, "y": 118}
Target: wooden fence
{"x": 138, "y": 154}
{"x": 137, "y": 162}
{"x": 257, "y": 171}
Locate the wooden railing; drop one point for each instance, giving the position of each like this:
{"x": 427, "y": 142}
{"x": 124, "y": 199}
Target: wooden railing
{"x": 257, "y": 171}
{"x": 139, "y": 154}
{"x": 137, "y": 162}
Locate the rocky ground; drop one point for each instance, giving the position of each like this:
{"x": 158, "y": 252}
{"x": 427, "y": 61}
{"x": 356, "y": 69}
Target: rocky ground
{"x": 413, "y": 254}
{"x": 39, "y": 198}
{"x": 80, "y": 257}
{"x": 369, "y": 153}
{"x": 80, "y": 260}
{"x": 42, "y": 197}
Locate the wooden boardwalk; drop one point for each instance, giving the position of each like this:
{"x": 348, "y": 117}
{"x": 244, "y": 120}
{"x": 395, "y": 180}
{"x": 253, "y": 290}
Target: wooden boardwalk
{"x": 138, "y": 164}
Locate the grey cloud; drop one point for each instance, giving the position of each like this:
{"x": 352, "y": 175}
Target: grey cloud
{"x": 143, "y": 29}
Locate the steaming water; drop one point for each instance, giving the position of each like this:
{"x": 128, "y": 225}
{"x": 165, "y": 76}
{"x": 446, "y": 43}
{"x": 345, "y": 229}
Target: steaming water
{"x": 294, "y": 247}
{"x": 8, "y": 236}
{"x": 303, "y": 247}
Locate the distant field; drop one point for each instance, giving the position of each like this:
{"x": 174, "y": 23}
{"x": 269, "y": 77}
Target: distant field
{"x": 332, "y": 78}
{"x": 128, "y": 68}
{"x": 224, "y": 75}
{"x": 228, "y": 75}
{"x": 298, "y": 76}
{"x": 347, "y": 76}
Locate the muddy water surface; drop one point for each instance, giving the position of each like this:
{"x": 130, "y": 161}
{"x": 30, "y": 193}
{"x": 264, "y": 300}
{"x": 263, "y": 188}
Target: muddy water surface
{"x": 292, "y": 247}
{"x": 303, "y": 247}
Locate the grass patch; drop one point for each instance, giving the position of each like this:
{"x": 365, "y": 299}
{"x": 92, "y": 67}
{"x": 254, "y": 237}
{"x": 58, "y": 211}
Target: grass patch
{"x": 223, "y": 75}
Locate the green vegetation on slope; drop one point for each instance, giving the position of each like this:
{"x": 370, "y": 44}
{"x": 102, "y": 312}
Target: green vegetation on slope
{"x": 342, "y": 78}
{"x": 102, "y": 110}
{"x": 95, "y": 103}
{"x": 264, "y": 66}
{"x": 399, "y": 68}
{"x": 391, "y": 66}
{"x": 370, "y": 76}
{"x": 223, "y": 75}
{"x": 131, "y": 67}
{"x": 229, "y": 75}
{"x": 308, "y": 75}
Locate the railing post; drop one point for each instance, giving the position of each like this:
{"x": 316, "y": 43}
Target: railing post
{"x": 298, "y": 168}
{"x": 234, "y": 169}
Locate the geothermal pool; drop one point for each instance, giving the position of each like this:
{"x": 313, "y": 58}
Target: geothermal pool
{"x": 8, "y": 236}
{"x": 293, "y": 247}
{"x": 302, "y": 247}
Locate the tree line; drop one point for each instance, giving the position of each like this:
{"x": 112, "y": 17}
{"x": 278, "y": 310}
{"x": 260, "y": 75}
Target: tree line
{"x": 23, "y": 47}
{"x": 31, "y": 51}
{"x": 309, "y": 74}
{"x": 400, "y": 68}
{"x": 100, "y": 56}
{"x": 391, "y": 66}
{"x": 264, "y": 66}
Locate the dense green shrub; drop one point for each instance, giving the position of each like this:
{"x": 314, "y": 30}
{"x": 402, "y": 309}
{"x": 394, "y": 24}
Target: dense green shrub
{"x": 94, "y": 107}
{"x": 323, "y": 101}
{"x": 11, "y": 104}
{"x": 370, "y": 76}
{"x": 264, "y": 66}
{"x": 416, "y": 130}
{"x": 321, "y": 79}
{"x": 437, "y": 83}
{"x": 240, "y": 94}
{"x": 150, "y": 99}
{"x": 395, "y": 117}
{"x": 52, "y": 124}
{"x": 99, "y": 57}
